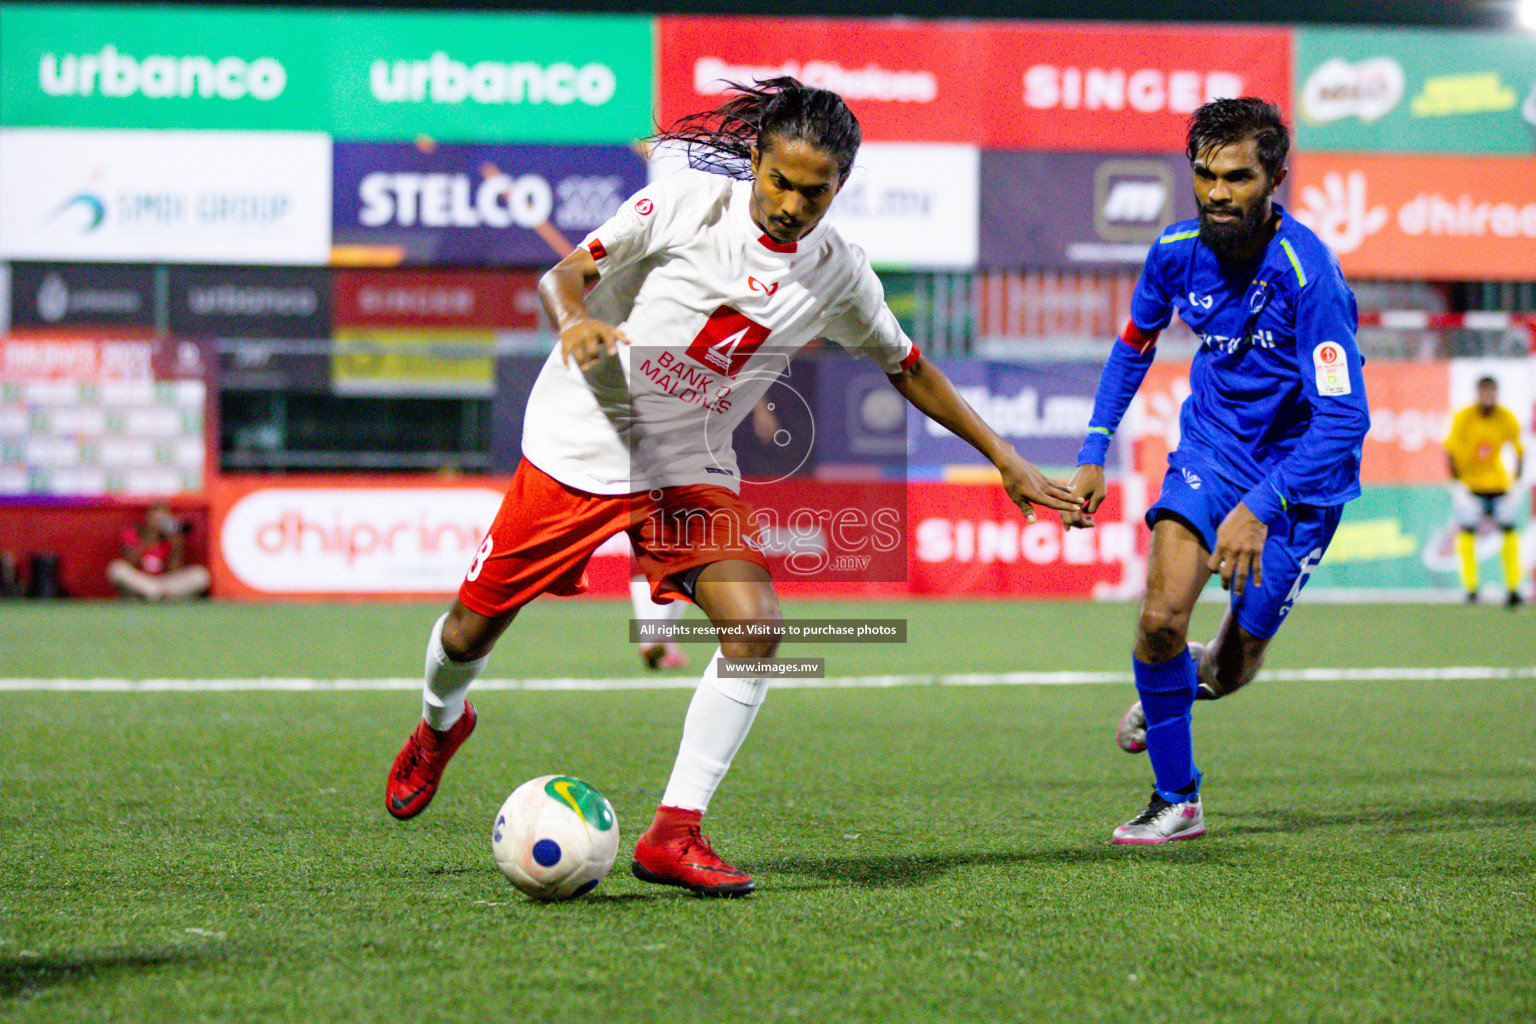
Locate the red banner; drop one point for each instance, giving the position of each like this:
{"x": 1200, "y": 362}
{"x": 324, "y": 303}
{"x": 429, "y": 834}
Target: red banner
{"x": 969, "y": 540}
{"x": 906, "y": 82}
{"x": 1079, "y": 87}
{"x": 436, "y": 299}
{"x": 1120, "y": 87}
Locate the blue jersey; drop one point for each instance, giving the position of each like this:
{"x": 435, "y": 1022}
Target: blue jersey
{"x": 1277, "y": 398}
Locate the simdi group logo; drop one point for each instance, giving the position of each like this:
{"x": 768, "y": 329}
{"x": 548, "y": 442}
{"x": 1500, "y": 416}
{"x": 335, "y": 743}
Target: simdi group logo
{"x": 175, "y": 196}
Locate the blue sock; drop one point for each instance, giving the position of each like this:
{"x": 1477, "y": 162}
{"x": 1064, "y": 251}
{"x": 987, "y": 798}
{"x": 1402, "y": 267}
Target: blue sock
{"x": 1167, "y": 693}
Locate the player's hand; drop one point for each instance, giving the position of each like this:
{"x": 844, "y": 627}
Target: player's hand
{"x": 1087, "y": 484}
{"x": 1239, "y": 549}
{"x": 1028, "y": 487}
{"x": 588, "y": 341}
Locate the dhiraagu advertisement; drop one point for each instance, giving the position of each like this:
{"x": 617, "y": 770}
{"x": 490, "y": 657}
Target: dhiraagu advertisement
{"x": 482, "y": 77}
{"x": 1415, "y": 91}
{"x": 65, "y": 66}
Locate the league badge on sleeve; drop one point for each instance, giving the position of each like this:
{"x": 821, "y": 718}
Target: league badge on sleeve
{"x": 1332, "y": 369}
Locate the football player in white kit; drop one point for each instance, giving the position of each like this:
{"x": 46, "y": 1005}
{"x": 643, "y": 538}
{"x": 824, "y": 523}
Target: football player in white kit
{"x": 674, "y": 317}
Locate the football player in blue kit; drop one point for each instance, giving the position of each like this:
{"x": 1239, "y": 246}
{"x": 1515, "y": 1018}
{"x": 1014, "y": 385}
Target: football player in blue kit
{"x": 1270, "y": 438}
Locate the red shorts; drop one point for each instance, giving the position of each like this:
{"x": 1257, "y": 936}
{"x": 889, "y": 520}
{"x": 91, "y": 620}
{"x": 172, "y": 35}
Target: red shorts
{"x": 544, "y": 533}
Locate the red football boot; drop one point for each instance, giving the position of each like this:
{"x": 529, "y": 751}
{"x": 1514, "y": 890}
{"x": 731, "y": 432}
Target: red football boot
{"x": 419, "y": 765}
{"x": 674, "y": 852}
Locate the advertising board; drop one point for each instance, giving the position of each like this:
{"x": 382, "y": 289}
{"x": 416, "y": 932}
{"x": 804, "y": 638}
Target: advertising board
{"x": 1442, "y": 218}
{"x": 1415, "y": 91}
{"x": 474, "y": 204}
{"x": 172, "y": 196}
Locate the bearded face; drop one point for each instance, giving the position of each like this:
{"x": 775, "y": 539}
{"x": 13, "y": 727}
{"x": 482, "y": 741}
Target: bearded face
{"x": 1233, "y": 193}
{"x": 1230, "y": 231}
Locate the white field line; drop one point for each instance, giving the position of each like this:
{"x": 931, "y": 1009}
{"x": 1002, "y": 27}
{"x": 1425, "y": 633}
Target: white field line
{"x": 1310, "y": 675}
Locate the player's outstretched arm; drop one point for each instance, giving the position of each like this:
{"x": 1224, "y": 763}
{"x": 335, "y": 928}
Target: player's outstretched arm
{"x": 1129, "y": 359}
{"x": 931, "y": 392}
{"x": 562, "y": 290}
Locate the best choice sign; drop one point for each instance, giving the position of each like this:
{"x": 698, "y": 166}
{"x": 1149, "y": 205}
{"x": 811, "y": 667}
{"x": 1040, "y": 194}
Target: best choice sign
{"x": 450, "y": 77}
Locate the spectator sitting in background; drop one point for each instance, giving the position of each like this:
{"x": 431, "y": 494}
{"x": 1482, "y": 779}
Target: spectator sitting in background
{"x": 153, "y": 566}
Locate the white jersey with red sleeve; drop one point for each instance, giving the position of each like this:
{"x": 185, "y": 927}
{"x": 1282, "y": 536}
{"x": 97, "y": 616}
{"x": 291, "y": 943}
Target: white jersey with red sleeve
{"x": 713, "y": 309}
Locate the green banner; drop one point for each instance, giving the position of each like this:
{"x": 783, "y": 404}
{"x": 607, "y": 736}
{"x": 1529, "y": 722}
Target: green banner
{"x": 1415, "y": 91}
{"x": 1404, "y": 538}
{"x": 492, "y": 77}
{"x": 64, "y": 66}
{"x": 449, "y": 77}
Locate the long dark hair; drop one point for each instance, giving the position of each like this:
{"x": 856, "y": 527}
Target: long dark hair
{"x": 1228, "y": 121}
{"x": 777, "y": 109}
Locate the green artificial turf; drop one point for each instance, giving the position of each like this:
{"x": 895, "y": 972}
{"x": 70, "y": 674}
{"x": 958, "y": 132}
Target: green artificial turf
{"x": 923, "y": 853}
{"x": 563, "y": 638}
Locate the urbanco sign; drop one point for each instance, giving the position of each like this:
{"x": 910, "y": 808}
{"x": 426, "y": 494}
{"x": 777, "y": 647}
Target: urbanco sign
{"x": 161, "y": 67}
{"x": 448, "y": 76}
{"x": 492, "y": 77}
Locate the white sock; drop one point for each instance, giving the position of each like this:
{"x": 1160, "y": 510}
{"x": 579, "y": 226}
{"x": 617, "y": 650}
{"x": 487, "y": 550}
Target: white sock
{"x": 719, "y": 718}
{"x": 647, "y": 610}
{"x": 442, "y": 701}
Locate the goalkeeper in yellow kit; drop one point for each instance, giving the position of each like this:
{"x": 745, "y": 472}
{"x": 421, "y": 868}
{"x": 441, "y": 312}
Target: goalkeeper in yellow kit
{"x": 1475, "y": 450}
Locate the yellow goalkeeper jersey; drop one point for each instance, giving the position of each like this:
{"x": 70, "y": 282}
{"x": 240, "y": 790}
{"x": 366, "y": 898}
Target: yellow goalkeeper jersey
{"x": 1476, "y": 443}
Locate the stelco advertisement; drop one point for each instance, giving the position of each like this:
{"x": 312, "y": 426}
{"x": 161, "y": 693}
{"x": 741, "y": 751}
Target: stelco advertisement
{"x": 462, "y": 204}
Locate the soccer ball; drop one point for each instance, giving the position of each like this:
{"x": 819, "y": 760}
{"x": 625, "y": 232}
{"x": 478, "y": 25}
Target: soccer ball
{"x": 555, "y": 837}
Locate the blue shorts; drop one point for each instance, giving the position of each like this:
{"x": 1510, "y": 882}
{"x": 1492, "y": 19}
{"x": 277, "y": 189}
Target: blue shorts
{"x": 1197, "y": 495}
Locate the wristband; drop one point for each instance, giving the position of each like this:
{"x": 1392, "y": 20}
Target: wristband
{"x": 1095, "y": 447}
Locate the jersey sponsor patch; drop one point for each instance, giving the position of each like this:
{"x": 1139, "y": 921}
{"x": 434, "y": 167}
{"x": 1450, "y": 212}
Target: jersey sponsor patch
{"x": 727, "y": 341}
{"x": 1332, "y": 369}
{"x": 644, "y": 207}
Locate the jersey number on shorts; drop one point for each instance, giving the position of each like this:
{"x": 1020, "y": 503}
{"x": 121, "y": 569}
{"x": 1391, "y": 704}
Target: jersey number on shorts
{"x": 727, "y": 341}
{"x": 480, "y": 557}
